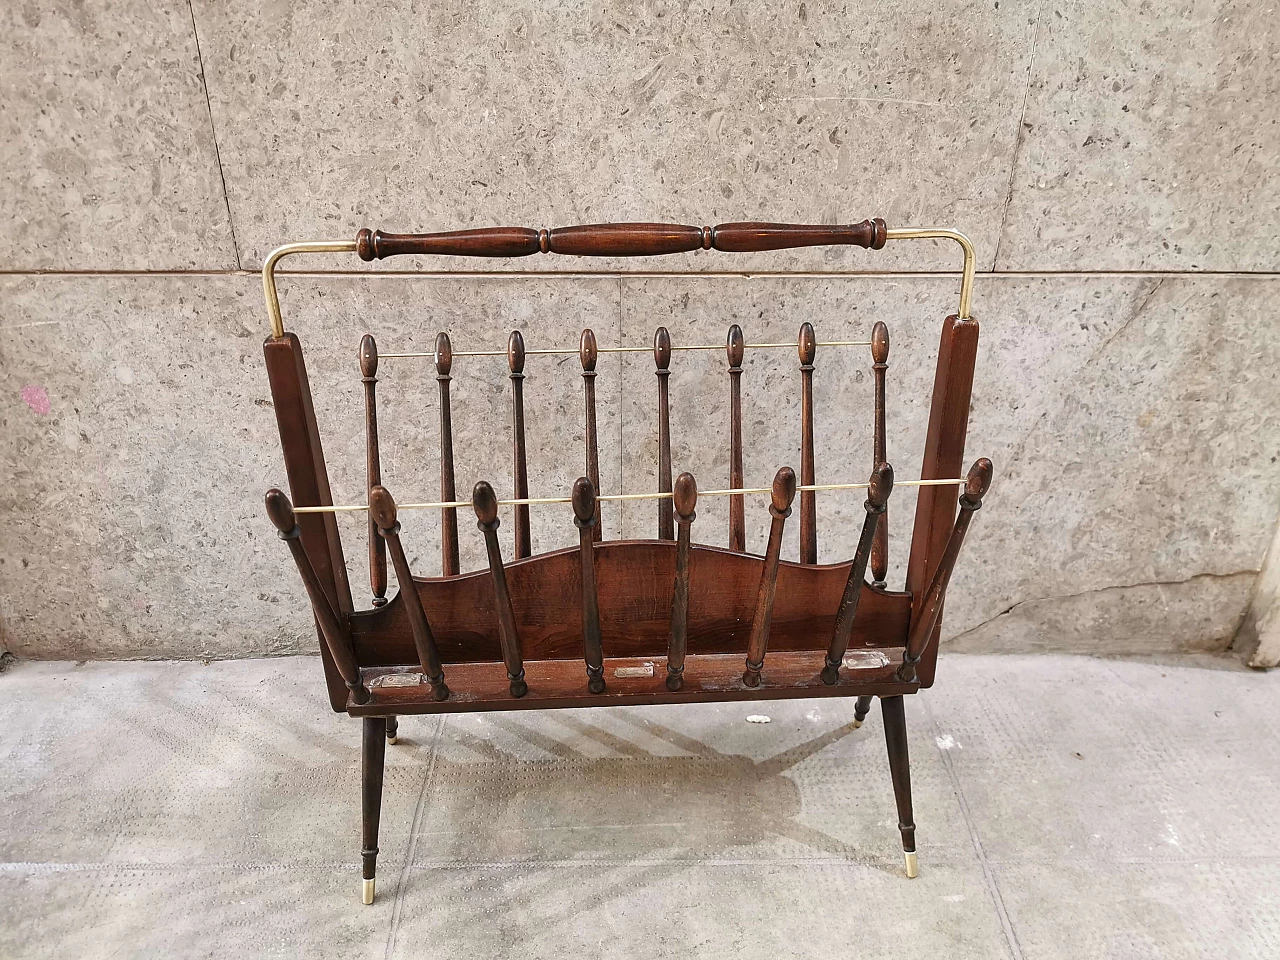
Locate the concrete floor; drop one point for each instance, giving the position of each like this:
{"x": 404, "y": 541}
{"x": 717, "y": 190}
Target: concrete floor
{"x": 1067, "y": 807}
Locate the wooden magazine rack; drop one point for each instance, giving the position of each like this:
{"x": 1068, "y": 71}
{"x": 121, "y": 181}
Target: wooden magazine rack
{"x": 662, "y": 620}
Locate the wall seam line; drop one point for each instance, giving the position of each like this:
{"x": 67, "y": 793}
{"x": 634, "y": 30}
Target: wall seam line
{"x": 213, "y": 130}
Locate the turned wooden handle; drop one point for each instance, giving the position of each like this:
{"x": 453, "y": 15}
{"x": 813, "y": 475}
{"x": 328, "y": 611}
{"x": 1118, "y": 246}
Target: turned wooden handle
{"x": 619, "y": 239}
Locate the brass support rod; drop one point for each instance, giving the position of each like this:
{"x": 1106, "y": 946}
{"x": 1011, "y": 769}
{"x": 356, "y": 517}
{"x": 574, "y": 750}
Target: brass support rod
{"x": 942, "y": 233}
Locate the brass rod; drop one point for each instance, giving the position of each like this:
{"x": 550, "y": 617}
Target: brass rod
{"x": 941, "y": 233}
{"x": 573, "y": 353}
{"x": 278, "y": 254}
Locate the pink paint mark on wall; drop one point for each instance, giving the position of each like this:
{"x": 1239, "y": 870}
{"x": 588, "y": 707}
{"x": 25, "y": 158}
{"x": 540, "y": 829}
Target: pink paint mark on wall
{"x": 37, "y": 398}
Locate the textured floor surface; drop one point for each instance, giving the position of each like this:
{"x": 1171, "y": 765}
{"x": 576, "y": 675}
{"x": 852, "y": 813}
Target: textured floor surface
{"x": 1067, "y": 807}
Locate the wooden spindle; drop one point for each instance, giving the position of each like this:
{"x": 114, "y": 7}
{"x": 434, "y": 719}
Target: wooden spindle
{"x": 922, "y": 627}
{"x": 734, "y": 348}
{"x": 584, "y": 518}
{"x": 333, "y": 629}
{"x": 807, "y": 346}
{"x": 588, "y": 353}
{"x": 373, "y": 465}
{"x": 685, "y": 498}
{"x": 880, "y": 358}
{"x": 382, "y": 507}
{"x": 520, "y": 470}
{"x": 449, "y": 566}
{"x": 877, "y": 497}
{"x": 784, "y": 492}
{"x": 662, "y": 362}
{"x": 485, "y": 502}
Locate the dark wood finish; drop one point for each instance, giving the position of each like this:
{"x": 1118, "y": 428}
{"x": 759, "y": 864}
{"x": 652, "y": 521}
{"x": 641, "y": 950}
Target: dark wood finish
{"x": 520, "y": 468}
{"x": 485, "y": 502}
{"x": 943, "y": 457}
{"x": 393, "y": 729}
{"x": 449, "y": 566}
{"x": 807, "y": 347}
{"x": 588, "y": 353}
{"x": 877, "y": 498}
{"x": 925, "y": 619}
{"x": 879, "y": 366}
{"x": 685, "y": 499}
{"x": 373, "y": 465}
{"x": 382, "y": 507}
{"x": 734, "y": 348}
{"x": 784, "y": 491}
{"x": 309, "y": 485}
{"x": 662, "y": 364}
{"x": 860, "y": 709}
{"x": 619, "y": 239}
{"x": 372, "y": 762}
{"x": 333, "y": 627}
{"x": 895, "y": 738}
{"x": 584, "y": 518}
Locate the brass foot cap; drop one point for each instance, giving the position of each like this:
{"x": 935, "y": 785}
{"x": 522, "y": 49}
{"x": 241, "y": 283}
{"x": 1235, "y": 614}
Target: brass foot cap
{"x": 393, "y": 739}
{"x": 913, "y": 865}
{"x": 367, "y": 893}
{"x": 857, "y": 724}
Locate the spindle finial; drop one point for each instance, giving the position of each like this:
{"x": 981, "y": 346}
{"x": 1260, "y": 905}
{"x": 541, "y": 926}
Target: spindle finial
{"x": 515, "y": 352}
{"x": 588, "y": 351}
{"x": 662, "y": 348}
{"x": 382, "y": 507}
{"x": 784, "y": 491}
{"x": 685, "y": 496}
{"x": 584, "y": 501}
{"x": 807, "y": 344}
{"x": 280, "y": 510}
{"x": 735, "y": 346}
{"x": 977, "y": 482}
{"x": 485, "y": 502}
{"x": 881, "y": 485}
{"x": 444, "y": 354}
{"x": 368, "y": 356}
{"x": 880, "y": 342}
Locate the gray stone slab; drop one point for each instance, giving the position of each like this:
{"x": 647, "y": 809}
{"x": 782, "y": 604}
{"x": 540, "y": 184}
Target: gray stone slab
{"x": 459, "y": 115}
{"x": 108, "y": 159}
{"x": 1148, "y": 141}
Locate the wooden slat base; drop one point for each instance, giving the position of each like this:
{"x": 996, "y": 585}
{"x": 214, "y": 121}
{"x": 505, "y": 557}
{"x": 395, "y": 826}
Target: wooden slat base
{"x": 708, "y": 678}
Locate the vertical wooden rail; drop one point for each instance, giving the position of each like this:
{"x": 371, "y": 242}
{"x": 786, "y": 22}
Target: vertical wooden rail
{"x": 485, "y": 502}
{"x": 372, "y": 765}
{"x": 807, "y": 347}
{"x": 588, "y": 352}
{"x": 662, "y": 363}
{"x": 877, "y": 496}
{"x": 448, "y": 492}
{"x": 880, "y": 358}
{"x": 685, "y": 497}
{"x": 520, "y": 469}
{"x": 734, "y": 349}
{"x": 333, "y": 627}
{"x": 373, "y": 465}
{"x": 584, "y": 518}
{"x": 784, "y": 492}
{"x": 382, "y": 506}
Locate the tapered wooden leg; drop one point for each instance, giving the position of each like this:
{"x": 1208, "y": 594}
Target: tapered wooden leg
{"x": 375, "y": 746}
{"x": 895, "y": 738}
{"x": 393, "y": 729}
{"x": 860, "y": 711}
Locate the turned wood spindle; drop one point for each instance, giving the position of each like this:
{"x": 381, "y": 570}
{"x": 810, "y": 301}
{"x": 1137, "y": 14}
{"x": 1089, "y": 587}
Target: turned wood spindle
{"x": 585, "y": 508}
{"x": 333, "y": 629}
{"x": 520, "y": 470}
{"x": 373, "y": 465}
{"x": 685, "y": 499}
{"x": 662, "y": 363}
{"x": 734, "y": 349}
{"x": 877, "y": 496}
{"x": 485, "y": 502}
{"x": 784, "y": 492}
{"x": 382, "y": 507}
{"x": 930, "y": 610}
{"x": 449, "y": 566}
{"x": 880, "y": 358}
{"x": 588, "y": 353}
{"x": 807, "y": 347}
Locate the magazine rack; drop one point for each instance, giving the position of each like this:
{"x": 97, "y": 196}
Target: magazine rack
{"x": 661, "y": 620}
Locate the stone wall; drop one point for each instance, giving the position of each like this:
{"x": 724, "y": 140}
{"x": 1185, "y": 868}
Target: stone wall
{"x": 1113, "y": 164}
